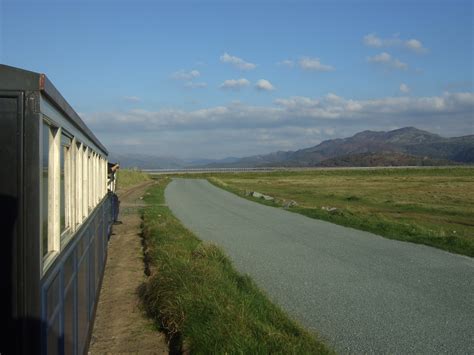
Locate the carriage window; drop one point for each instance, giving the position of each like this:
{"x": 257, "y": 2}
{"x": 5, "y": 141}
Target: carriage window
{"x": 65, "y": 184}
{"x": 44, "y": 186}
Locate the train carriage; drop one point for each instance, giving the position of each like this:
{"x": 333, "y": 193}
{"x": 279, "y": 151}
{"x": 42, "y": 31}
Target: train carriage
{"x": 57, "y": 207}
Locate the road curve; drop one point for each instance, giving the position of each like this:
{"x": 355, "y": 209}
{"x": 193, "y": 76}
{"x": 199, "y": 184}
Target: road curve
{"x": 362, "y": 293}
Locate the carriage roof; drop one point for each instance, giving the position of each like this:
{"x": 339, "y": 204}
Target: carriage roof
{"x": 23, "y": 80}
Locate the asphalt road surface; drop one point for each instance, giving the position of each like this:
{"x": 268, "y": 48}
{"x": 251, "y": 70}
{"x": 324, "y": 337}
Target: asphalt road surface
{"x": 362, "y": 293}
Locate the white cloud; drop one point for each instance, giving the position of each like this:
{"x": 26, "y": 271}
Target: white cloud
{"x": 372, "y": 40}
{"x": 237, "y": 62}
{"x": 315, "y": 64}
{"x": 235, "y": 84}
{"x": 404, "y": 88}
{"x": 383, "y": 57}
{"x": 195, "y": 85}
{"x": 415, "y": 45}
{"x": 132, "y": 98}
{"x": 396, "y": 63}
{"x": 335, "y": 107}
{"x": 185, "y": 75}
{"x": 287, "y": 63}
{"x": 264, "y": 85}
{"x": 386, "y": 59}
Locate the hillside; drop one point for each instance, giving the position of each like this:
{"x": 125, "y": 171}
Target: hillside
{"x": 383, "y": 159}
{"x": 407, "y": 145}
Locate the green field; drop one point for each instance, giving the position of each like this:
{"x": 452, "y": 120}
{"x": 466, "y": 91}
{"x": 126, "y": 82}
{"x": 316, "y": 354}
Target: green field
{"x": 432, "y": 206}
{"x": 194, "y": 294}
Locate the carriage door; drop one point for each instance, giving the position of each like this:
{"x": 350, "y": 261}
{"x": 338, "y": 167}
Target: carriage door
{"x": 11, "y": 122}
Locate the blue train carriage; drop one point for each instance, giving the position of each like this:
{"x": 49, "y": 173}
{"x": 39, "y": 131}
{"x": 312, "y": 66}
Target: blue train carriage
{"x": 57, "y": 206}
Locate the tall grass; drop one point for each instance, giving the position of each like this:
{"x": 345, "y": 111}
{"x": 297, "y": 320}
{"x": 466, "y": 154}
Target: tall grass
{"x": 195, "y": 294}
{"x": 128, "y": 177}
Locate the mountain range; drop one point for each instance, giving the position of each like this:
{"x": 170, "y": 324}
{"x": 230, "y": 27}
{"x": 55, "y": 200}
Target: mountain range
{"x": 147, "y": 161}
{"x": 404, "y": 146}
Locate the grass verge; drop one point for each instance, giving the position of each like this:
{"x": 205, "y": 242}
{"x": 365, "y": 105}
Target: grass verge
{"x": 431, "y": 206}
{"x": 194, "y": 293}
{"x": 129, "y": 177}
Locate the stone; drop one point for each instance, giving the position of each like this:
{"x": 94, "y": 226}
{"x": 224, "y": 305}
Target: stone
{"x": 329, "y": 209}
{"x": 290, "y": 203}
{"x": 260, "y": 195}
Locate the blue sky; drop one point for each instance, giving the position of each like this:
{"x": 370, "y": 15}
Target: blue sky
{"x": 214, "y": 79}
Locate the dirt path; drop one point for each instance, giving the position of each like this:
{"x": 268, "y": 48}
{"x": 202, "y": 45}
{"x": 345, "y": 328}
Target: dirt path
{"x": 120, "y": 326}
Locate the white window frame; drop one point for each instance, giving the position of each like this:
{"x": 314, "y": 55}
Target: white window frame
{"x": 73, "y": 168}
{"x": 67, "y": 190}
{"x": 90, "y": 204}
{"x": 85, "y": 182}
{"x": 96, "y": 192}
{"x": 79, "y": 148}
{"x": 104, "y": 177}
{"x": 54, "y": 238}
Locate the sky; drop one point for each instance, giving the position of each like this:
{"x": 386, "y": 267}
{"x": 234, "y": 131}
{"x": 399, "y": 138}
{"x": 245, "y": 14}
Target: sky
{"x": 212, "y": 79}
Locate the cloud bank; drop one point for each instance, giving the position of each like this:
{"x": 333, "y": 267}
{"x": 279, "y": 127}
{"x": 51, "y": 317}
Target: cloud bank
{"x": 289, "y": 123}
{"x": 295, "y": 111}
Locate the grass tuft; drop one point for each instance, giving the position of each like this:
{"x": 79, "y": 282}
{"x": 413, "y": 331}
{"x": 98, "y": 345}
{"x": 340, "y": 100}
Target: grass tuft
{"x": 195, "y": 294}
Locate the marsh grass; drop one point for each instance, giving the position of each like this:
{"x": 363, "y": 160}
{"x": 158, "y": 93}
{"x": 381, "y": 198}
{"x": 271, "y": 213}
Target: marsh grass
{"x": 195, "y": 294}
{"x": 431, "y": 206}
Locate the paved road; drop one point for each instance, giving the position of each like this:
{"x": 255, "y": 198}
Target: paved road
{"x": 360, "y": 292}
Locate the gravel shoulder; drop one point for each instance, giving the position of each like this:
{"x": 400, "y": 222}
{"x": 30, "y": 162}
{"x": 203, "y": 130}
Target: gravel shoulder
{"x": 361, "y": 292}
{"x": 120, "y": 325}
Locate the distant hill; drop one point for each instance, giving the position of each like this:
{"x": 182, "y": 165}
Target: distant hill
{"x": 143, "y": 161}
{"x": 383, "y": 159}
{"x": 195, "y": 163}
{"x": 404, "y": 146}
{"x": 369, "y": 147}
